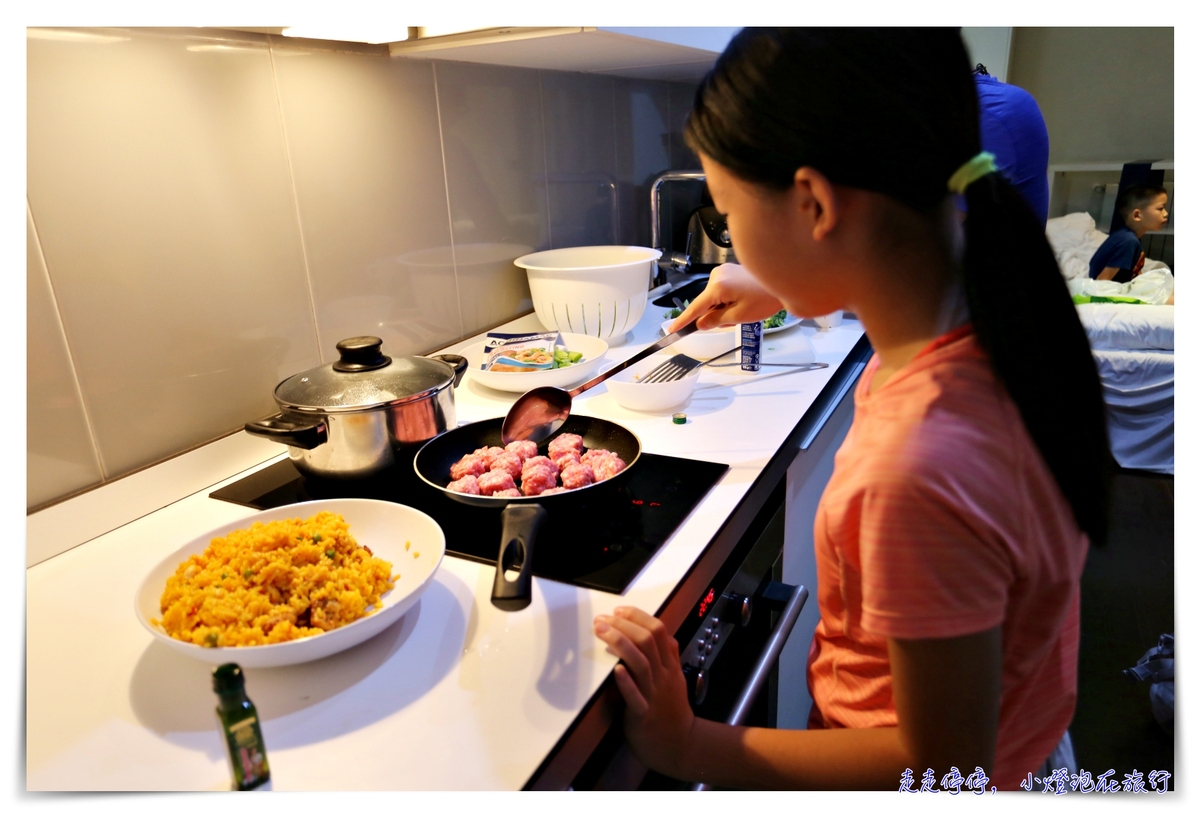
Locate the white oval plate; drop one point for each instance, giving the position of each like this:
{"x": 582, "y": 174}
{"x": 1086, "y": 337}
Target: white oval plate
{"x": 384, "y": 527}
{"x": 593, "y": 350}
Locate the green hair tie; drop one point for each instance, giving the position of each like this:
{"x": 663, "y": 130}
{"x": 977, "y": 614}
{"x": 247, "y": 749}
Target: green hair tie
{"x": 974, "y": 168}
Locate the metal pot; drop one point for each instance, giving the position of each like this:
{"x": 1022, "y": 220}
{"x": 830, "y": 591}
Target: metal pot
{"x": 352, "y": 419}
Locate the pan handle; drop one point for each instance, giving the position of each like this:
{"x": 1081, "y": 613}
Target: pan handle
{"x": 520, "y": 525}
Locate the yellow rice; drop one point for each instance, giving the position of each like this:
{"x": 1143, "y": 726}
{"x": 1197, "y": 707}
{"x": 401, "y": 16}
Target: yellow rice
{"x": 274, "y": 582}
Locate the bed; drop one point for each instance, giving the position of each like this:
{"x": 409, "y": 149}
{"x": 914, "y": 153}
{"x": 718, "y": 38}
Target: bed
{"x": 1133, "y": 344}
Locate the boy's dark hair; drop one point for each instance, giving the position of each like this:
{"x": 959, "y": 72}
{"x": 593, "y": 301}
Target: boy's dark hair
{"x": 782, "y": 98}
{"x": 1137, "y": 197}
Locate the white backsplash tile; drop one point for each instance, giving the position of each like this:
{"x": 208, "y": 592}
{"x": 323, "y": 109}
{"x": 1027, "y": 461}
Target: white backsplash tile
{"x": 159, "y": 185}
{"x": 60, "y": 453}
{"x": 581, "y": 158}
{"x": 643, "y": 151}
{"x": 496, "y": 169}
{"x": 362, "y": 132}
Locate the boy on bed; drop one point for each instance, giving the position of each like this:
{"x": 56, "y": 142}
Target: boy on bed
{"x": 1143, "y": 208}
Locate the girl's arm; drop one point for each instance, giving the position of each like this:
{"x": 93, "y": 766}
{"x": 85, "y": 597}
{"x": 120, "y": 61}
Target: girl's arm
{"x": 947, "y": 695}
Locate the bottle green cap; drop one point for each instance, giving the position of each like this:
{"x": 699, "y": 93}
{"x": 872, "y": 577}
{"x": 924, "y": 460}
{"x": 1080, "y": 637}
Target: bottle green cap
{"x": 228, "y": 678}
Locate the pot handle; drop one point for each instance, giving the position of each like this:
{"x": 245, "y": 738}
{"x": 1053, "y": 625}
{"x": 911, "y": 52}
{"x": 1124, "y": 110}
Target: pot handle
{"x": 520, "y": 528}
{"x": 306, "y": 434}
{"x": 456, "y": 362}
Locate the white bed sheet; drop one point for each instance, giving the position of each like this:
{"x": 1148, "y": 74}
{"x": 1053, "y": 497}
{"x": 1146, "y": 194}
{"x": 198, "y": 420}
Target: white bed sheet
{"x": 1139, "y": 393}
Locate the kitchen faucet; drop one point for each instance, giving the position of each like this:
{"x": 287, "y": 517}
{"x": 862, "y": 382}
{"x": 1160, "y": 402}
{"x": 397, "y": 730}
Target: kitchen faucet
{"x": 669, "y": 260}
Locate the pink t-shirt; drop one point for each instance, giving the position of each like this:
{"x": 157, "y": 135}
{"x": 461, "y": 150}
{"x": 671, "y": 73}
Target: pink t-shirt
{"x": 941, "y": 519}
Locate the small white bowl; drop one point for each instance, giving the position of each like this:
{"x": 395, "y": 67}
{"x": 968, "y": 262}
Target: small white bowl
{"x": 706, "y": 343}
{"x": 636, "y": 396}
{"x": 593, "y": 350}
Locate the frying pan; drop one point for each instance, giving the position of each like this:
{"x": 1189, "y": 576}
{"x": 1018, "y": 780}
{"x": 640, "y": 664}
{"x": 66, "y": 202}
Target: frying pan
{"x": 522, "y": 516}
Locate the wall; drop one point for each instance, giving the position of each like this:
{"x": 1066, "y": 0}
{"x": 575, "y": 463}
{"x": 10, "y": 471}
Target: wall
{"x": 1107, "y": 93}
{"x": 210, "y": 212}
{"x": 991, "y": 47}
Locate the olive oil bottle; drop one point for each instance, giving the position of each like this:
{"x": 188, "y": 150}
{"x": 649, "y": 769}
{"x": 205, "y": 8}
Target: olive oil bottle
{"x": 240, "y": 729}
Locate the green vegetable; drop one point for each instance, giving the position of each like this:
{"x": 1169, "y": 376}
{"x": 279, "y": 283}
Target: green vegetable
{"x": 331, "y": 553}
{"x": 564, "y": 357}
{"x": 210, "y": 640}
{"x": 775, "y": 320}
{"x": 316, "y": 538}
{"x": 672, "y": 314}
{"x": 247, "y": 573}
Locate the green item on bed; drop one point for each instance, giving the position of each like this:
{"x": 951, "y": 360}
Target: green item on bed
{"x": 1105, "y": 299}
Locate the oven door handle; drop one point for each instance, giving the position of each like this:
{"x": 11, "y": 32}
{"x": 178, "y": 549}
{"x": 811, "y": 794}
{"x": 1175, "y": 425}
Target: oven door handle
{"x": 762, "y": 668}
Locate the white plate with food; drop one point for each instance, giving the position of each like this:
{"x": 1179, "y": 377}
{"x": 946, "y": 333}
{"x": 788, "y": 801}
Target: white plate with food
{"x": 286, "y": 592}
{"x": 590, "y": 350}
{"x": 786, "y": 322}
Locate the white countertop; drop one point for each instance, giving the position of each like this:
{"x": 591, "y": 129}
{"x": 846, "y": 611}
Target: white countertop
{"x": 456, "y": 696}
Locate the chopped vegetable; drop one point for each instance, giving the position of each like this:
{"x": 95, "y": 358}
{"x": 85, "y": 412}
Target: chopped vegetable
{"x": 330, "y": 553}
{"x": 247, "y": 573}
{"x": 564, "y": 357}
{"x": 210, "y": 640}
{"x": 316, "y": 538}
{"x": 674, "y": 313}
{"x": 775, "y": 320}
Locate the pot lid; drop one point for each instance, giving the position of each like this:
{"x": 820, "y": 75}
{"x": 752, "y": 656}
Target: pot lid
{"x": 363, "y": 378}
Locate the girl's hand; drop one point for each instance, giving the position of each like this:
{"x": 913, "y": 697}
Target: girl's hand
{"x": 740, "y": 296}
{"x": 658, "y": 718}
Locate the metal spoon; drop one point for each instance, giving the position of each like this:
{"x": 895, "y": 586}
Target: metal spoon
{"x": 540, "y": 412}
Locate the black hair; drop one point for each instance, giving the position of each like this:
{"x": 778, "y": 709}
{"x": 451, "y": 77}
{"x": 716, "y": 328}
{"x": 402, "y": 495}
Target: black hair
{"x": 1136, "y": 197}
{"x": 895, "y": 111}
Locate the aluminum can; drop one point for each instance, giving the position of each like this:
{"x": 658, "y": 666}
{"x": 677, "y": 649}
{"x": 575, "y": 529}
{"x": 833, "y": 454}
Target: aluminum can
{"x": 752, "y": 346}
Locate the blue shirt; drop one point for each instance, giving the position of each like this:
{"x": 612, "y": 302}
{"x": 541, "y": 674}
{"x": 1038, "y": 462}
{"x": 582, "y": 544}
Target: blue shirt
{"x": 1122, "y": 250}
{"x": 1012, "y": 128}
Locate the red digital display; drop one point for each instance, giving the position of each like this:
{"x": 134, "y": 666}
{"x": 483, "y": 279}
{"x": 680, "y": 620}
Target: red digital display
{"x": 637, "y": 502}
{"x": 655, "y": 504}
{"x": 707, "y": 601}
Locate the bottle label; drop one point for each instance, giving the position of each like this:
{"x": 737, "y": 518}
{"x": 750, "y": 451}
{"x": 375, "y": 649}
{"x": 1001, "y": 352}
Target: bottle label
{"x": 752, "y": 346}
{"x": 247, "y": 758}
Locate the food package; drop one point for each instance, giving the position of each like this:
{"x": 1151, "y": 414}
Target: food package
{"x": 526, "y": 352}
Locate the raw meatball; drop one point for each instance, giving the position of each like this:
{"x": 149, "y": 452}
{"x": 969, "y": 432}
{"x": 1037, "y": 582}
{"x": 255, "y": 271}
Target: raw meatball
{"x": 508, "y": 462}
{"x": 553, "y": 491}
{"x": 508, "y": 492}
{"x": 569, "y": 458}
{"x": 577, "y": 476}
{"x": 522, "y": 448}
{"x": 467, "y": 485}
{"x": 537, "y": 481}
{"x": 488, "y": 454}
{"x": 494, "y": 481}
{"x": 539, "y": 462}
{"x": 470, "y": 464}
{"x": 593, "y": 453}
{"x": 606, "y": 467}
{"x": 564, "y": 443}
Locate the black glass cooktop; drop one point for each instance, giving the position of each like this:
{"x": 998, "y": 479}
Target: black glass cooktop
{"x": 600, "y": 542}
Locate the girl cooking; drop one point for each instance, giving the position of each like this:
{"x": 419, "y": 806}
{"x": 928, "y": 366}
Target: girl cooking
{"x": 951, "y": 537}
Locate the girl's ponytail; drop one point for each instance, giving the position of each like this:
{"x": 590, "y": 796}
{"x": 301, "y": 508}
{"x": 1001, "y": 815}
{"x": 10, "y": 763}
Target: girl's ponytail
{"x": 1025, "y": 320}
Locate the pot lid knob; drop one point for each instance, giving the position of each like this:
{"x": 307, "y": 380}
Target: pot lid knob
{"x": 361, "y": 354}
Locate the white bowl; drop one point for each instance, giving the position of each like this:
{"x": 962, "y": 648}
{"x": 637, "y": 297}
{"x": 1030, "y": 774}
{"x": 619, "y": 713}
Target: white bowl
{"x": 593, "y": 350}
{"x": 631, "y": 394}
{"x": 706, "y": 343}
{"x": 598, "y": 291}
{"x": 384, "y": 527}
